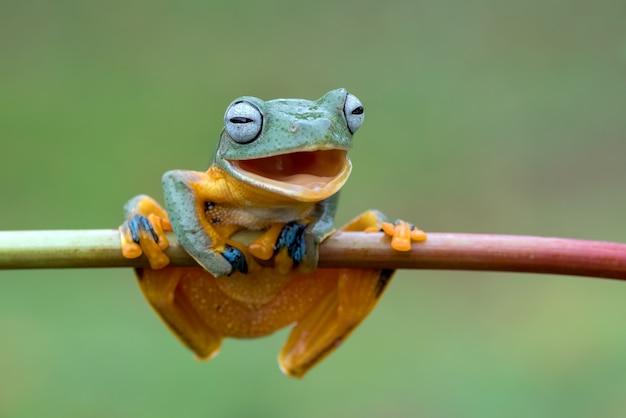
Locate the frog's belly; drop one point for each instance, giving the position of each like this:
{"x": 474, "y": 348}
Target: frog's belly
{"x": 257, "y": 218}
{"x": 200, "y": 294}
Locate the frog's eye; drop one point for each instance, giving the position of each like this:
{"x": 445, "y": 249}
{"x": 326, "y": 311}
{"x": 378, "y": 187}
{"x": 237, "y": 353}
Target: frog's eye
{"x": 243, "y": 122}
{"x": 353, "y": 111}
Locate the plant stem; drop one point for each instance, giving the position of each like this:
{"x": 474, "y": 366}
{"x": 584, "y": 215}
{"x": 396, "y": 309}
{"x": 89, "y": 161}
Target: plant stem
{"x": 101, "y": 248}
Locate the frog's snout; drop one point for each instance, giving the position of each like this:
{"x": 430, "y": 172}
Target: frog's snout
{"x": 320, "y": 127}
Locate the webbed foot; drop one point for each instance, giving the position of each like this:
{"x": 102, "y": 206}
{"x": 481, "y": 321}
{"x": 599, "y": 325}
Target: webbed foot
{"x": 402, "y": 234}
{"x": 285, "y": 242}
{"x": 143, "y": 232}
{"x": 292, "y": 238}
{"x": 236, "y": 258}
{"x": 290, "y": 247}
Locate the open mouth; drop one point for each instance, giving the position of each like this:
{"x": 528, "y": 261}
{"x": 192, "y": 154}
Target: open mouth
{"x": 312, "y": 170}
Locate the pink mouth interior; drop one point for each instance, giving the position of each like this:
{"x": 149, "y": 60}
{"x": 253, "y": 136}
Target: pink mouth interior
{"x": 306, "y": 168}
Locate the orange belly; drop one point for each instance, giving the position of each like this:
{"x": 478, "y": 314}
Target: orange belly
{"x": 245, "y": 305}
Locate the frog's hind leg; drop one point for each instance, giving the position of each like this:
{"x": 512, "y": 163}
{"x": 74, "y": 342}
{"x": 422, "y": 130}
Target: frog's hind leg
{"x": 161, "y": 289}
{"x": 325, "y": 327}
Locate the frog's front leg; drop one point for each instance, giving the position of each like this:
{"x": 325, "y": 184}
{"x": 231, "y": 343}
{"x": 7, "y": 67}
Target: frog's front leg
{"x": 188, "y": 195}
{"x": 318, "y": 230}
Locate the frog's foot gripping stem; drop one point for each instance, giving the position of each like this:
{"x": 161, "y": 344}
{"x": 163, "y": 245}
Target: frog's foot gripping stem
{"x": 236, "y": 258}
{"x": 290, "y": 247}
{"x": 402, "y": 234}
{"x": 285, "y": 242}
{"x": 143, "y": 232}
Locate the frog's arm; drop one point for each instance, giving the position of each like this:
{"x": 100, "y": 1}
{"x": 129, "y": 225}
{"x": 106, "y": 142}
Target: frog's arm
{"x": 318, "y": 230}
{"x": 186, "y": 194}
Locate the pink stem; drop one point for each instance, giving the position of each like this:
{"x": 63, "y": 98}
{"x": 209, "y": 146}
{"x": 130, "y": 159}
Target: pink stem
{"x": 481, "y": 252}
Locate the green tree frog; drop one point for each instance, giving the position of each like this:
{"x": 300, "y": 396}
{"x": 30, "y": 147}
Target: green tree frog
{"x": 278, "y": 169}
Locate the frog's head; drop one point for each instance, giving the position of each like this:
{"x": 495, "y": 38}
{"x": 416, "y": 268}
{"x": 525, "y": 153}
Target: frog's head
{"x": 293, "y": 147}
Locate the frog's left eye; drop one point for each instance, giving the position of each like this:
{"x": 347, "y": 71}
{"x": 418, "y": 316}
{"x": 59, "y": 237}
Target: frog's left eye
{"x": 353, "y": 111}
{"x": 243, "y": 122}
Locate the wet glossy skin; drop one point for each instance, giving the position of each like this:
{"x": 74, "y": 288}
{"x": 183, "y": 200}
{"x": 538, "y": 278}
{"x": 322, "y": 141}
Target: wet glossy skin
{"x": 278, "y": 170}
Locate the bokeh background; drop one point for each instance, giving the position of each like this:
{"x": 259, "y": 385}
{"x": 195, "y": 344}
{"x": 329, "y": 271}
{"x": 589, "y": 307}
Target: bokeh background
{"x": 485, "y": 116}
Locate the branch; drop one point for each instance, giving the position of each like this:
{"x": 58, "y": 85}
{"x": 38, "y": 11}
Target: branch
{"x": 101, "y": 248}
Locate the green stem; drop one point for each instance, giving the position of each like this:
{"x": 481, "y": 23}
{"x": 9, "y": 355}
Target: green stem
{"x": 101, "y": 248}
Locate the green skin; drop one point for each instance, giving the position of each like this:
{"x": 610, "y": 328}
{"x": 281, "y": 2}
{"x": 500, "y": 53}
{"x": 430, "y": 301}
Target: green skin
{"x": 289, "y": 125}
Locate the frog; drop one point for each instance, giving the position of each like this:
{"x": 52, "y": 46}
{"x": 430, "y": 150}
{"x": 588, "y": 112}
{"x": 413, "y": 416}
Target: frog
{"x": 277, "y": 174}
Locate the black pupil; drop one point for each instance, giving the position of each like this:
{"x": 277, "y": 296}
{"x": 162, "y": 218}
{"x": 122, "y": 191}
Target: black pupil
{"x": 240, "y": 119}
{"x": 358, "y": 111}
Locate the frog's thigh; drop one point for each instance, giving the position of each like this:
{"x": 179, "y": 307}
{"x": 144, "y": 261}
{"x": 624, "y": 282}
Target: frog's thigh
{"x": 160, "y": 287}
{"x": 330, "y": 322}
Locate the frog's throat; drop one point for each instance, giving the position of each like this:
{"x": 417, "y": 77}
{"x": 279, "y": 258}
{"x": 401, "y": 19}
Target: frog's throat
{"x": 308, "y": 176}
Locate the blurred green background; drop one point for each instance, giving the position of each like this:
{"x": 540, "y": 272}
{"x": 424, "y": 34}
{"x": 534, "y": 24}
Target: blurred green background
{"x": 486, "y": 116}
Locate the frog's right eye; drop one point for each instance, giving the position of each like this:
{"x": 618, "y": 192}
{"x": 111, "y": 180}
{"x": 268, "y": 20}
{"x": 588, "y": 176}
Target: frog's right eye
{"x": 353, "y": 112}
{"x": 243, "y": 122}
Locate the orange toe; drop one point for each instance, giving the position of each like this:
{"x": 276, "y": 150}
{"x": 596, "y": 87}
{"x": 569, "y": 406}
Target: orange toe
{"x": 155, "y": 255}
{"x": 401, "y": 240}
{"x": 263, "y": 247}
{"x": 131, "y": 250}
{"x": 388, "y": 228}
{"x": 418, "y": 235}
{"x": 262, "y": 251}
{"x": 157, "y": 225}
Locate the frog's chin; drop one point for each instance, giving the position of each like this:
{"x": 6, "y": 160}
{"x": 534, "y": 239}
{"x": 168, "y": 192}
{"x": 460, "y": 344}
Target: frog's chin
{"x": 308, "y": 176}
